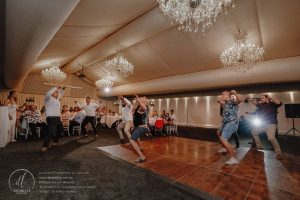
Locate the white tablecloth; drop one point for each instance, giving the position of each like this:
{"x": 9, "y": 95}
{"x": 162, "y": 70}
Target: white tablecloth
{"x": 109, "y": 120}
{"x": 4, "y": 126}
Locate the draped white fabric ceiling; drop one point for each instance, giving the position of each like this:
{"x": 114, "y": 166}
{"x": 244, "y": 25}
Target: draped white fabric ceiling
{"x": 97, "y": 28}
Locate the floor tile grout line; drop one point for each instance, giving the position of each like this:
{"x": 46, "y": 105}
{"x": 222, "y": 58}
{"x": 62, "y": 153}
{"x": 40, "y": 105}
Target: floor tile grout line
{"x": 230, "y": 174}
{"x": 253, "y": 182}
{"x": 177, "y": 180}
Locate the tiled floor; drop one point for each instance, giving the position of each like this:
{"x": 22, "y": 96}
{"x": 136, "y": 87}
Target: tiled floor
{"x": 197, "y": 164}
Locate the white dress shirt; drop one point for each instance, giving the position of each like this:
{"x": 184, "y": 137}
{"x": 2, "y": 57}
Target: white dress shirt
{"x": 127, "y": 112}
{"x": 90, "y": 109}
{"x": 52, "y": 104}
{"x": 173, "y": 117}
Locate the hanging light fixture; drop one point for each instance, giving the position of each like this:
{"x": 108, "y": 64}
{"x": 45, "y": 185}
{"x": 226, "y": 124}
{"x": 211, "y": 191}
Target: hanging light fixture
{"x": 54, "y": 74}
{"x": 119, "y": 67}
{"x": 242, "y": 56}
{"x": 190, "y": 14}
{"x": 104, "y": 83}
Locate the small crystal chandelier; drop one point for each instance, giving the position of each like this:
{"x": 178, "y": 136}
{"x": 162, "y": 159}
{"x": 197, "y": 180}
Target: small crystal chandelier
{"x": 189, "y": 14}
{"x": 104, "y": 83}
{"x": 118, "y": 67}
{"x": 54, "y": 74}
{"x": 242, "y": 56}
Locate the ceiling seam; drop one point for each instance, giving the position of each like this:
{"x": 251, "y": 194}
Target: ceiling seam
{"x": 109, "y": 35}
{"x": 259, "y": 25}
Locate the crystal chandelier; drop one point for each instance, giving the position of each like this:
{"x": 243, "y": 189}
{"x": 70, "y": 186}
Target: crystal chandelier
{"x": 104, "y": 83}
{"x": 242, "y": 56}
{"x": 118, "y": 67}
{"x": 54, "y": 74}
{"x": 190, "y": 14}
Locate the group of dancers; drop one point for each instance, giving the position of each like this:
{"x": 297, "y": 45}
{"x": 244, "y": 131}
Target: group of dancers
{"x": 138, "y": 119}
{"x": 267, "y": 109}
{"x": 135, "y": 120}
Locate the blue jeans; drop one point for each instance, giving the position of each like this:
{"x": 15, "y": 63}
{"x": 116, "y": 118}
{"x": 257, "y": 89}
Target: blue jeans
{"x": 228, "y": 129}
{"x": 138, "y": 132}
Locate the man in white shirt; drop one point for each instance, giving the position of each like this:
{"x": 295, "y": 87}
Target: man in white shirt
{"x": 172, "y": 118}
{"x": 126, "y": 123}
{"x": 90, "y": 111}
{"x": 52, "y": 104}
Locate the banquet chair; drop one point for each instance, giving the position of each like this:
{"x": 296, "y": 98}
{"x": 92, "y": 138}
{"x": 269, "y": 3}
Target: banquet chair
{"x": 172, "y": 129}
{"x": 28, "y": 130}
{"x": 77, "y": 128}
{"x": 66, "y": 128}
{"x": 159, "y": 125}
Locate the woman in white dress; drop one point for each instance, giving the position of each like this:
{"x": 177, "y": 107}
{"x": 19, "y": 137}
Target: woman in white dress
{"x": 11, "y": 103}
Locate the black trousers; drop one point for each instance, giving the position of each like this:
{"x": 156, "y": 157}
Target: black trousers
{"x": 91, "y": 120}
{"x": 55, "y": 128}
{"x": 32, "y": 127}
{"x": 43, "y": 126}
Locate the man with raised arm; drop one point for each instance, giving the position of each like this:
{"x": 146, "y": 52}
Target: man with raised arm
{"x": 229, "y": 100}
{"x": 126, "y": 123}
{"x": 52, "y": 105}
{"x": 90, "y": 111}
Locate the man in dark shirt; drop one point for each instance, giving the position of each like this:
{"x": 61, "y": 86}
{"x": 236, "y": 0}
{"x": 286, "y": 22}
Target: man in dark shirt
{"x": 267, "y": 112}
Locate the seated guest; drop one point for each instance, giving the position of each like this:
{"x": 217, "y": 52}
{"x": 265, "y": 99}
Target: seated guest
{"x": 24, "y": 117}
{"x": 103, "y": 111}
{"x": 151, "y": 122}
{"x": 172, "y": 119}
{"x": 163, "y": 114}
{"x": 167, "y": 118}
{"x": 71, "y": 109}
{"x": 33, "y": 118}
{"x": 42, "y": 123}
{"x": 43, "y": 109}
{"x": 154, "y": 114}
{"x": 77, "y": 119}
{"x": 65, "y": 116}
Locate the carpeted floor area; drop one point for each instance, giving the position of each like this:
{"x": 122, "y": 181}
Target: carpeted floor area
{"x": 108, "y": 178}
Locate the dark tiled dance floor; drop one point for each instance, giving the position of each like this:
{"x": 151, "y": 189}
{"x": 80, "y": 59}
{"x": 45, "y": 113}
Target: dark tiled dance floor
{"x": 196, "y": 166}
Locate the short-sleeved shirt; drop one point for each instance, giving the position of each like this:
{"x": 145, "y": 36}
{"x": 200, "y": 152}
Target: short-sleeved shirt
{"x": 230, "y": 112}
{"x": 268, "y": 112}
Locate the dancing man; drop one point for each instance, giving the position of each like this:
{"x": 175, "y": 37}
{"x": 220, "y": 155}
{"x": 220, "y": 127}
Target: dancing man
{"x": 229, "y": 101}
{"x": 52, "y": 104}
{"x": 126, "y": 123}
{"x": 267, "y": 113}
{"x": 90, "y": 111}
{"x": 140, "y": 126}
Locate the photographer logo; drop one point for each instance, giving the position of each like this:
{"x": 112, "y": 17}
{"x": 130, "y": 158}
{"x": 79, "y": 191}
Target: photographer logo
{"x": 21, "y": 181}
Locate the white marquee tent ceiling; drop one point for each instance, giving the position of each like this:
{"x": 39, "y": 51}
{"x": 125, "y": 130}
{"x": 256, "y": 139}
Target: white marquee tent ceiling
{"x": 95, "y": 29}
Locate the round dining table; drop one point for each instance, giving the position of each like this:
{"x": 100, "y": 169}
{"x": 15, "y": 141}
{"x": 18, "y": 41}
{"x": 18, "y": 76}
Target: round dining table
{"x": 110, "y": 120}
